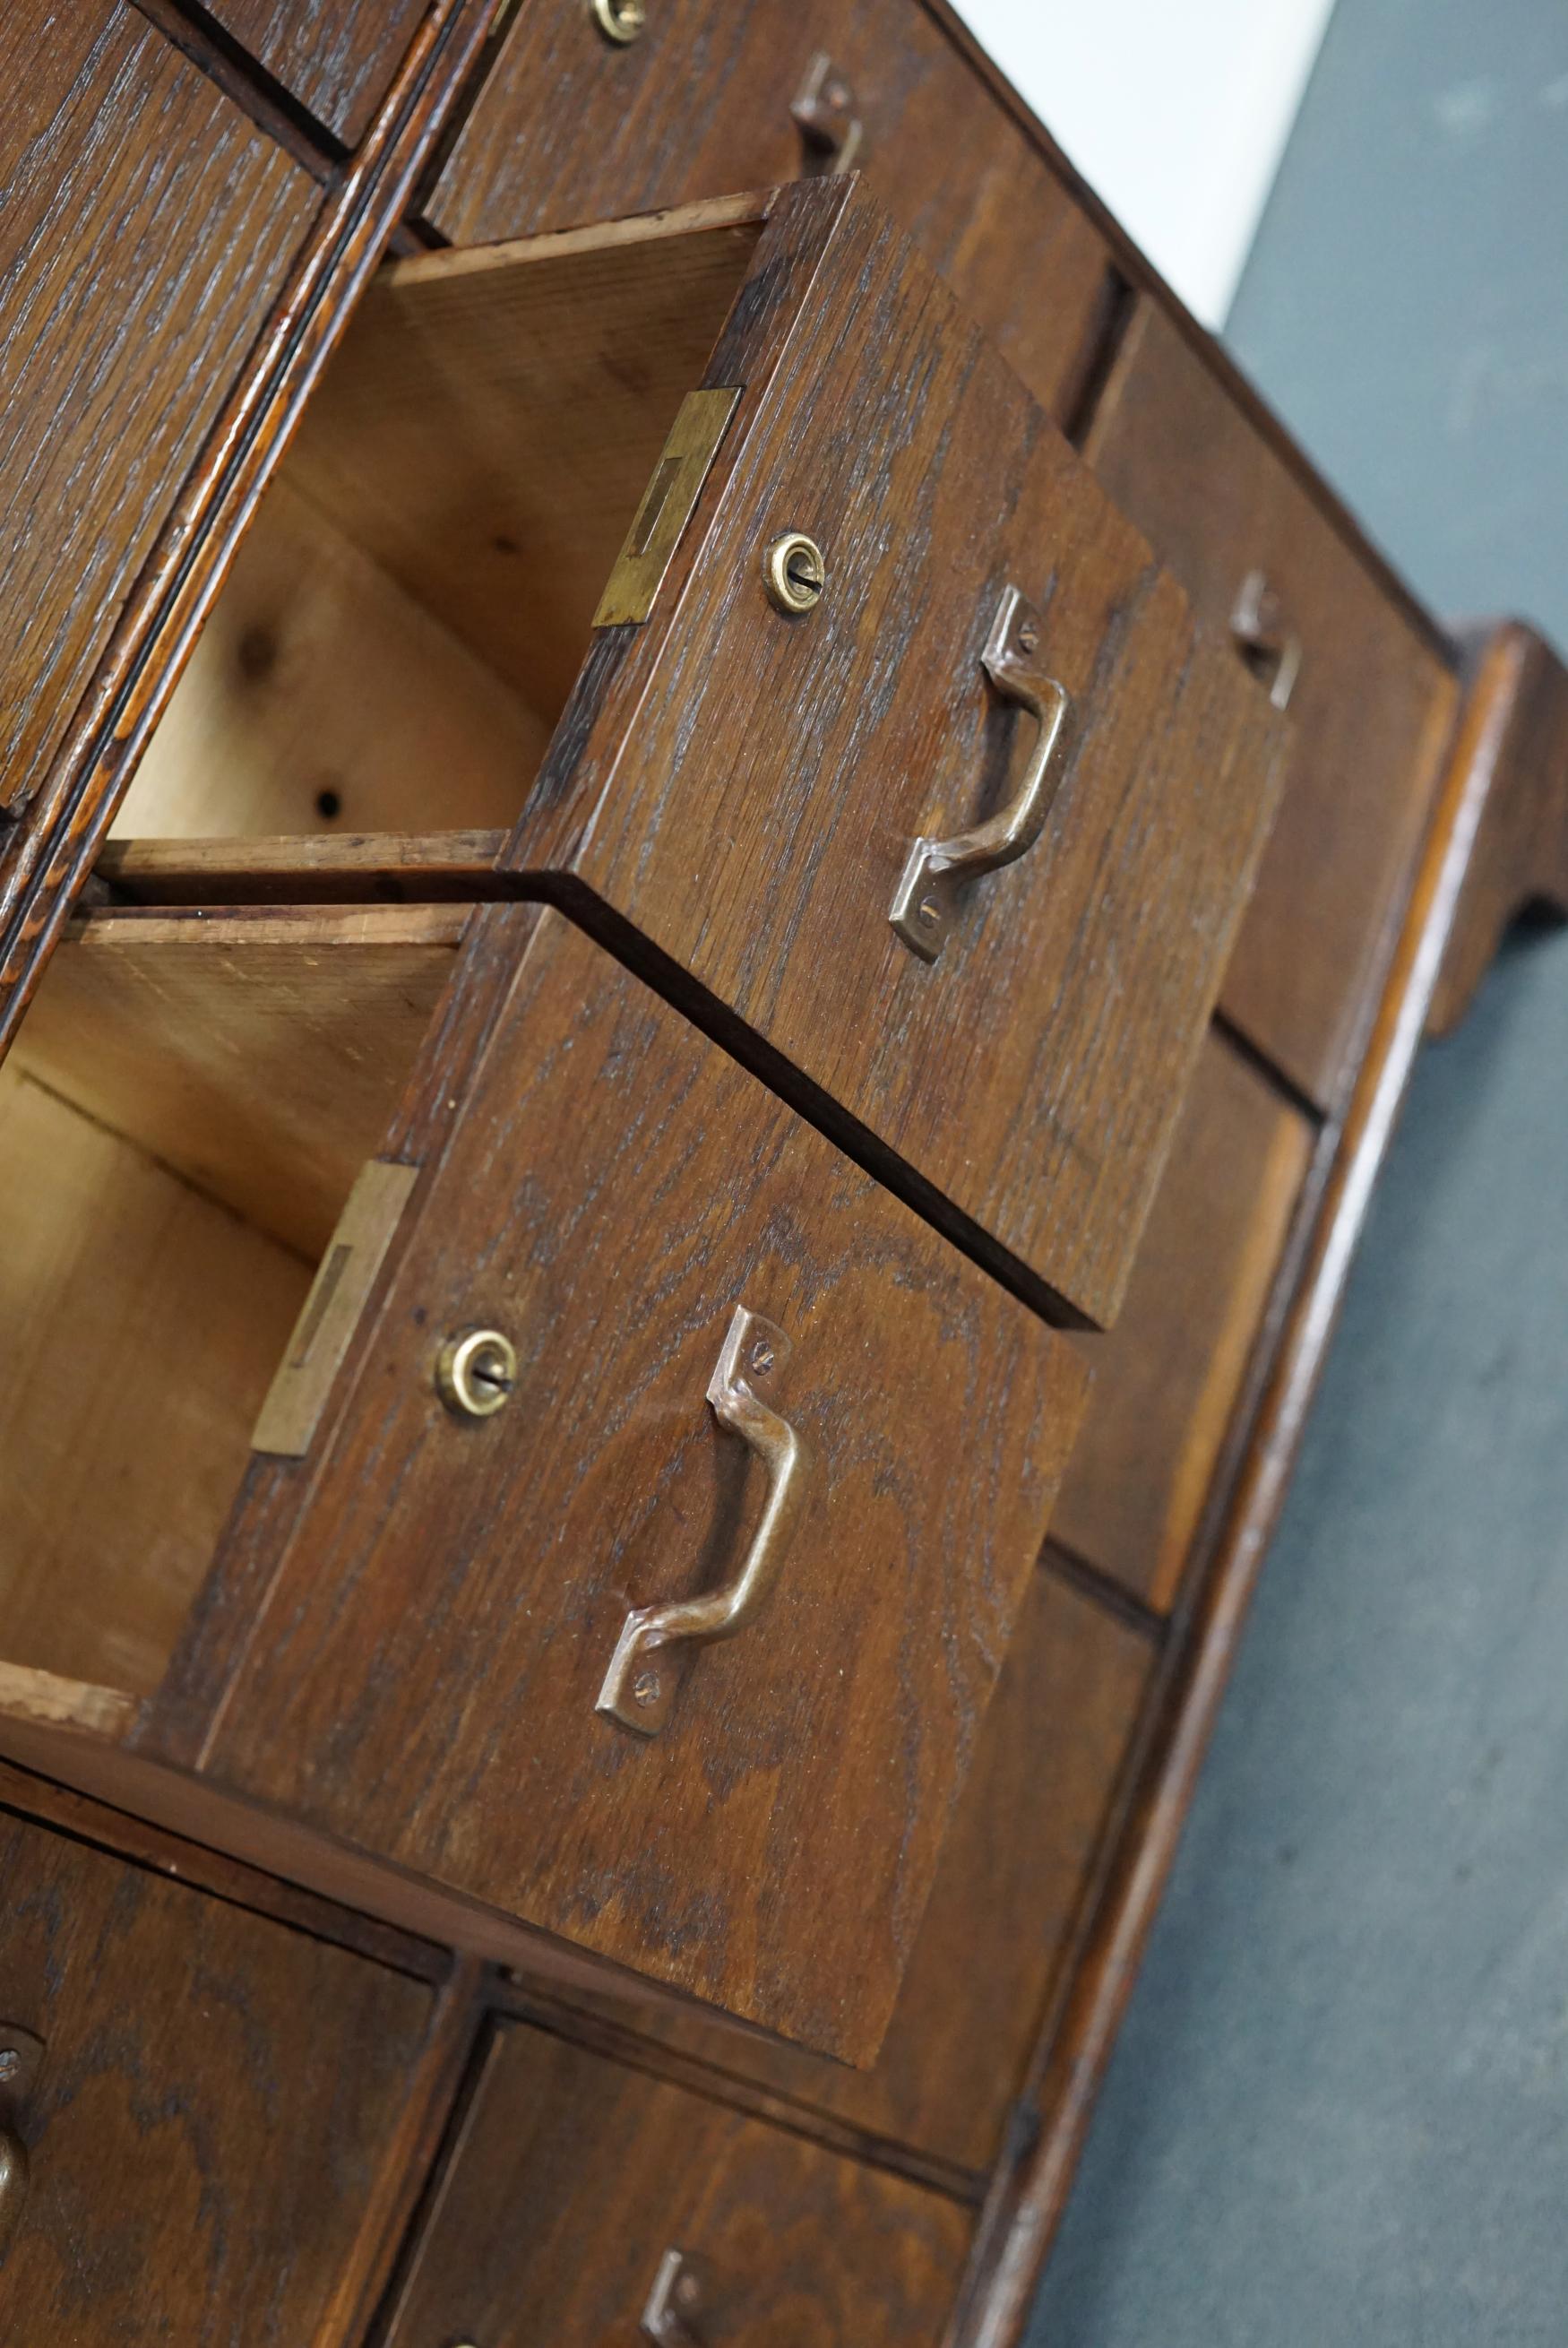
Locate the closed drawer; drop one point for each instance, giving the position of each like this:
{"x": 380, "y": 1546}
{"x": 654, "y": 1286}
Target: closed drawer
{"x": 1169, "y": 1376}
{"x": 336, "y": 57}
{"x": 148, "y": 226}
{"x": 400, "y": 1652}
{"x": 573, "y": 2180}
{"x": 209, "y": 2114}
{"x": 744, "y": 787}
{"x": 1371, "y": 699}
{"x": 573, "y": 127}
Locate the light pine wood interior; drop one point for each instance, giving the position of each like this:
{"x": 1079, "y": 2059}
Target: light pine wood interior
{"x": 143, "y": 1325}
{"x": 407, "y": 612}
{"x": 181, "y": 1123}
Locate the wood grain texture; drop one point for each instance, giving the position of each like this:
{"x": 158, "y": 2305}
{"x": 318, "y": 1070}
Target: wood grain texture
{"x": 1168, "y": 1377}
{"x": 72, "y": 1815}
{"x": 340, "y": 868}
{"x": 146, "y": 227}
{"x": 1015, "y": 1868}
{"x": 489, "y": 427}
{"x": 1370, "y": 711}
{"x": 570, "y": 129}
{"x": 742, "y": 787}
{"x": 45, "y": 860}
{"x": 258, "y": 1052}
{"x": 207, "y": 2132}
{"x": 614, "y": 1189}
{"x": 1517, "y": 719}
{"x": 336, "y": 57}
{"x": 143, "y": 1325}
{"x": 321, "y": 699}
{"x": 572, "y": 2176}
{"x": 1030, "y": 2194}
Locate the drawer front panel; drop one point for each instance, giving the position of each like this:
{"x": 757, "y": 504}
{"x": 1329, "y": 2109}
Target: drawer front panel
{"x": 1370, "y": 703}
{"x": 573, "y": 128}
{"x": 210, "y": 2112}
{"x": 750, "y": 788}
{"x": 1168, "y": 1376}
{"x": 146, "y": 227}
{"x": 1016, "y": 1867}
{"x": 336, "y": 57}
{"x": 425, "y": 1683}
{"x": 574, "y": 2177}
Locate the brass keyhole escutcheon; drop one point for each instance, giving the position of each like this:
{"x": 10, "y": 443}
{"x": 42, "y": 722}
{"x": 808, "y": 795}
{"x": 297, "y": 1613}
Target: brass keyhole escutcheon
{"x": 793, "y": 572}
{"x": 474, "y": 1372}
{"x": 620, "y": 21}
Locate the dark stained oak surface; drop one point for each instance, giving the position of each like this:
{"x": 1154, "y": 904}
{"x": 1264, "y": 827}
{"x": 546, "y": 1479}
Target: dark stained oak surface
{"x": 573, "y": 2176}
{"x": 146, "y": 227}
{"x": 422, "y": 1680}
{"x": 336, "y": 57}
{"x": 743, "y": 786}
{"x": 1020, "y": 1854}
{"x": 1370, "y": 710}
{"x": 216, "y": 2100}
{"x": 1167, "y": 1378}
{"x": 570, "y": 129}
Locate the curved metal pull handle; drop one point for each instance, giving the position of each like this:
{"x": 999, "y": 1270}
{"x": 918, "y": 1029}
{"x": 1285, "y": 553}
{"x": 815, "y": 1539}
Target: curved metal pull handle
{"x": 21, "y": 2059}
{"x": 923, "y": 907}
{"x": 675, "y": 2303}
{"x": 826, "y": 116}
{"x": 1264, "y": 640}
{"x": 645, "y": 1670}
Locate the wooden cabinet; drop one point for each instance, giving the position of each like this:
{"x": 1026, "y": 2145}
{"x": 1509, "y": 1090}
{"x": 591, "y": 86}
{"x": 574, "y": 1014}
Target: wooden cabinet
{"x": 1370, "y": 696}
{"x": 214, "y": 2103}
{"x": 650, "y": 1017}
{"x": 148, "y": 226}
{"x": 574, "y": 2177}
{"x": 573, "y": 127}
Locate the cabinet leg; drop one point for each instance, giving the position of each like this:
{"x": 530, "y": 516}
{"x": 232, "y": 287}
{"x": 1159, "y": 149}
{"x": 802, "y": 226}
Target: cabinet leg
{"x": 1516, "y": 716}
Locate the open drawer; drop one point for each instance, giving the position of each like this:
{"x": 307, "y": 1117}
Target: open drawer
{"x": 718, "y": 562}
{"x": 642, "y": 1497}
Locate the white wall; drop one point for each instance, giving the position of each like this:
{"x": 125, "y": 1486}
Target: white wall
{"x": 1176, "y": 111}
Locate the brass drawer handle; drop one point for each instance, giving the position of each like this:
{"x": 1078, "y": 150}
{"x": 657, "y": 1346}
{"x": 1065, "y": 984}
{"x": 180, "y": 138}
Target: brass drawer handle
{"x": 20, "y": 2058}
{"x": 1269, "y": 647}
{"x": 640, "y": 1686}
{"x": 923, "y": 907}
{"x": 825, "y": 114}
{"x": 676, "y": 2302}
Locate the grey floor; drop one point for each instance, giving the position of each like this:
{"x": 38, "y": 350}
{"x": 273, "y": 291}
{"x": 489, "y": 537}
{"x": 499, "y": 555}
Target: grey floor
{"x": 1338, "y": 2113}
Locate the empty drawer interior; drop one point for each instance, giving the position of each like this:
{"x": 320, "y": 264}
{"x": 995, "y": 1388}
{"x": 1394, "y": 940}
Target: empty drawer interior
{"x": 408, "y": 611}
{"x": 180, "y": 1124}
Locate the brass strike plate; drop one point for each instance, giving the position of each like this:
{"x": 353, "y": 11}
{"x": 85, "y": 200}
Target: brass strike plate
{"x": 330, "y": 1315}
{"x": 666, "y": 508}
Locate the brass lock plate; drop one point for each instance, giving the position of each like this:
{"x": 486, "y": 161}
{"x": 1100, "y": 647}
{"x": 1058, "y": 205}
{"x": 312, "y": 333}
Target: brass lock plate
{"x": 666, "y": 507}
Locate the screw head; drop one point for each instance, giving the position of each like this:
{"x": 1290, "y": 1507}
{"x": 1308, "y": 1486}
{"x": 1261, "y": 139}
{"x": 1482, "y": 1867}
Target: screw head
{"x": 928, "y": 913}
{"x": 10, "y": 2062}
{"x": 475, "y": 1373}
{"x": 647, "y": 1689}
{"x": 794, "y": 572}
{"x": 620, "y": 21}
{"x": 688, "y": 2290}
{"x": 1029, "y": 637}
{"x": 761, "y": 1358}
